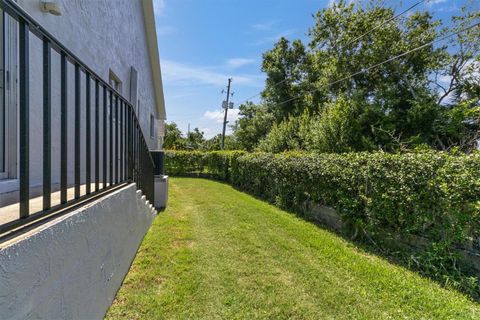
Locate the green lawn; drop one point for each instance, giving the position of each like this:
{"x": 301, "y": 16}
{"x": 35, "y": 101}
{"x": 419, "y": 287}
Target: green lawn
{"x": 217, "y": 253}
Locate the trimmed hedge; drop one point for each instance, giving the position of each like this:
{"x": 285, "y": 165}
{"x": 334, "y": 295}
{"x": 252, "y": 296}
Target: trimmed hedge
{"x": 432, "y": 196}
{"x": 214, "y": 164}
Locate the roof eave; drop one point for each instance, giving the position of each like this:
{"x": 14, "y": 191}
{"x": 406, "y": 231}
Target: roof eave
{"x": 151, "y": 33}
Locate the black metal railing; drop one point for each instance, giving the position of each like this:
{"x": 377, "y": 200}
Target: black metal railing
{"x": 122, "y": 155}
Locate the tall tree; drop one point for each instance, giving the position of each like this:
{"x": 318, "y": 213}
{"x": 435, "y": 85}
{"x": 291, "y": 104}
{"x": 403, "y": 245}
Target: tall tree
{"x": 428, "y": 94}
{"x": 173, "y": 137}
{"x": 286, "y": 67}
{"x": 253, "y": 125}
{"x": 342, "y": 45}
{"x": 195, "y": 139}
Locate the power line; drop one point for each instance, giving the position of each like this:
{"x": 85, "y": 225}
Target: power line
{"x": 364, "y": 70}
{"x": 350, "y": 42}
{"x": 256, "y": 95}
{"x": 386, "y": 22}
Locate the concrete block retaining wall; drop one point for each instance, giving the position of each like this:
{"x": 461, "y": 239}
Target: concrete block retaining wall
{"x": 72, "y": 267}
{"x": 469, "y": 255}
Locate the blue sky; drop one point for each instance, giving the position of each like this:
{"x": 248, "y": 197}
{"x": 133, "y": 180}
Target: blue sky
{"x": 203, "y": 42}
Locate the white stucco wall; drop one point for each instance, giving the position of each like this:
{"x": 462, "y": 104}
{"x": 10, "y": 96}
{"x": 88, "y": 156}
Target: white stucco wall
{"x": 72, "y": 268}
{"x": 106, "y": 35}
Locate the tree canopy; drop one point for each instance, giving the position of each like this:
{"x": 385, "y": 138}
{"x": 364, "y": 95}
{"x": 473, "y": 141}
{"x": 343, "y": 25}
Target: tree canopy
{"x": 366, "y": 80}
{"x": 338, "y": 94}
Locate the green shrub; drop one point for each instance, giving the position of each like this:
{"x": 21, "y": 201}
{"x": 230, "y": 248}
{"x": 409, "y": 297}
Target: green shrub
{"x": 427, "y": 195}
{"x": 338, "y": 128}
{"x": 294, "y": 133}
{"x": 215, "y": 164}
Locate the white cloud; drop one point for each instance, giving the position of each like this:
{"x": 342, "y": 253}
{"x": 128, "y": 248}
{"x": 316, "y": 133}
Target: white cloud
{"x": 217, "y": 115}
{"x": 263, "y": 26}
{"x": 210, "y": 132}
{"x": 213, "y": 120}
{"x": 444, "y": 5}
{"x": 448, "y": 9}
{"x": 207, "y": 132}
{"x": 432, "y": 2}
{"x": 175, "y": 72}
{"x": 239, "y": 62}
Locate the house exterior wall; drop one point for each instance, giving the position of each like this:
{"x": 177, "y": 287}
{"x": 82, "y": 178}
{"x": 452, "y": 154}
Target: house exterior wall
{"x": 71, "y": 268}
{"x": 108, "y": 36}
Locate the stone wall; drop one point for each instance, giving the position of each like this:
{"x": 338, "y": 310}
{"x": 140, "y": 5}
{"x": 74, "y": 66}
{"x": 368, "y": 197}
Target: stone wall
{"x": 469, "y": 254}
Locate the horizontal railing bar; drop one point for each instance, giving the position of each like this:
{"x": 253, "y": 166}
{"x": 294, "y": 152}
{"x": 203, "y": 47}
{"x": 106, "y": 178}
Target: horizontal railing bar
{"x": 9, "y": 226}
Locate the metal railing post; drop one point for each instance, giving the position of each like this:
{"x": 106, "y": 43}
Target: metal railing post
{"x": 122, "y": 131}
{"x": 63, "y": 128}
{"x": 88, "y": 138}
{"x": 111, "y": 140}
{"x": 117, "y": 120}
{"x": 47, "y": 125}
{"x": 24, "y": 115}
{"x": 97, "y": 137}
{"x": 77, "y": 131}
{"x": 104, "y": 137}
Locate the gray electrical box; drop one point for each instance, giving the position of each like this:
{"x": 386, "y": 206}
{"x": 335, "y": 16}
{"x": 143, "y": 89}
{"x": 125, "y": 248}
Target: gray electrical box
{"x": 161, "y": 180}
{"x": 161, "y": 192}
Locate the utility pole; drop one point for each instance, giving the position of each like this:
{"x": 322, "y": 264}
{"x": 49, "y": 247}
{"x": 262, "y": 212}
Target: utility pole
{"x": 188, "y": 135}
{"x": 225, "y": 116}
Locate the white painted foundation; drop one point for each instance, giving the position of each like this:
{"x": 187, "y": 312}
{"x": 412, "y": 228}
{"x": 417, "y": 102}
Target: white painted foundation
{"x": 72, "y": 267}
